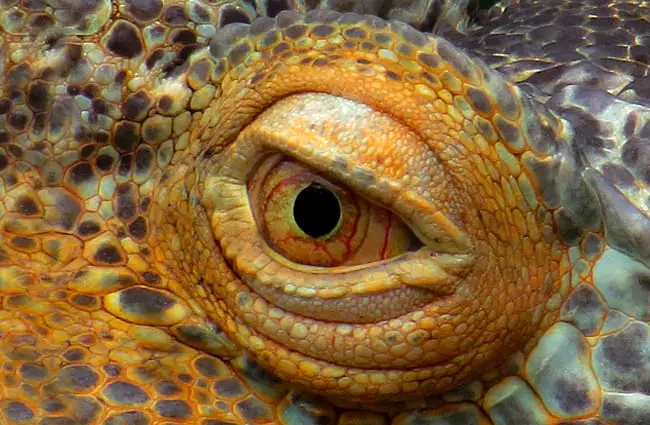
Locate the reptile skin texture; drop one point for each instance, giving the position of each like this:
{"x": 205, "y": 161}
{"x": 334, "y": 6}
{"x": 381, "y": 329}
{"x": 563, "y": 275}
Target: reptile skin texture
{"x": 324, "y": 212}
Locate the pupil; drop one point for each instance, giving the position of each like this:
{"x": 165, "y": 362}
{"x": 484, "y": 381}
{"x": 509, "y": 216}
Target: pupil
{"x": 316, "y": 210}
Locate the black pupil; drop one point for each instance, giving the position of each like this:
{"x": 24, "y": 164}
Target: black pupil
{"x": 316, "y": 210}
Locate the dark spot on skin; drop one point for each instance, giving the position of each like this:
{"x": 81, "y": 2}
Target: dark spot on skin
{"x": 17, "y": 411}
{"x": 87, "y": 151}
{"x": 112, "y": 369}
{"x": 125, "y": 201}
{"x": 88, "y": 228}
{"x": 322, "y": 31}
{"x": 26, "y": 206}
{"x": 33, "y": 372}
{"x": 99, "y": 107}
{"x": 136, "y": 106}
{"x": 124, "y": 40}
{"x": 144, "y": 10}
{"x": 85, "y": 301}
{"x": 17, "y": 301}
{"x": 228, "y": 388}
{"x": 572, "y": 395}
{"x": 127, "y": 136}
{"x": 238, "y": 53}
{"x": 126, "y": 165}
{"x": 144, "y": 158}
{"x": 282, "y": 47}
{"x": 175, "y": 409}
{"x": 151, "y": 277}
{"x": 53, "y": 405}
{"x": 355, "y": 33}
{"x": 73, "y": 89}
{"x": 207, "y": 366}
{"x": 145, "y": 301}
{"x": 183, "y": 37}
{"x": 10, "y": 179}
{"x": 120, "y": 77}
{"x": 18, "y": 121}
{"x": 104, "y": 163}
{"x": 167, "y": 388}
{"x": 125, "y": 393}
{"x": 479, "y": 101}
{"x": 175, "y": 15}
{"x": 73, "y": 355}
{"x": 404, "y": 49}
{"x": 231, "y": 14}
{"x": 253, "y": 409}
{"x": 429, "y": 60}
{"x": 77, "y": 377}
{"x": 40, "y": 21}
{"x": 138, "y": 228}
{"x": 69, "y": 211}
{"x": 165, "y": 103}
{"x": 108, "y": 254}
{"x": 91, "y": 90}
{"x": 393, "y": 76}
{"x": 38, "y": 96}
{"x": 38, "y": 126}
{"x": 296, "y": 31}
{"x": 81, "y": 172}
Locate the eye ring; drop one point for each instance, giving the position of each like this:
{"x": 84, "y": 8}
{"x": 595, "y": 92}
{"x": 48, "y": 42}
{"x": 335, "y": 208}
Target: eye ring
{"x": 314, "y": 221}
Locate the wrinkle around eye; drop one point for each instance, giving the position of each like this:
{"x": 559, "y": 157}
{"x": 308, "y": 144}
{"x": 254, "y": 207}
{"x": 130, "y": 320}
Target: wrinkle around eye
{"x": 385, "y": 168}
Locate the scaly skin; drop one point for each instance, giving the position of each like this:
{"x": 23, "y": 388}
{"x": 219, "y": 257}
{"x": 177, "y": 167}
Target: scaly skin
{"x": 490, "y": 266}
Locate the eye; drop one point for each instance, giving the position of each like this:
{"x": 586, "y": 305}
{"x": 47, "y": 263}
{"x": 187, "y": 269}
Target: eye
{"x": 313, "y": 221}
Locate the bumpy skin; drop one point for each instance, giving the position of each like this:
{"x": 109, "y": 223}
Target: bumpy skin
{"x": 139, "y": 284}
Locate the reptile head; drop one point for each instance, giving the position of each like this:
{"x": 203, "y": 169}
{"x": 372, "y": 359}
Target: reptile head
{"x": 204, "y": 224}
{"x": 439, "y": 259}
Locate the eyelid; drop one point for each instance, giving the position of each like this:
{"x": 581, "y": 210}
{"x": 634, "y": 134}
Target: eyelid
{"x": 327, "y": 148}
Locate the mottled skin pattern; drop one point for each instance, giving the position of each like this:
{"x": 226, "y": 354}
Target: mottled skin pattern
{"x": 150, "y": 272}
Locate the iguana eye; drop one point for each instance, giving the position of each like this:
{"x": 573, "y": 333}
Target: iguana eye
{"x": 313, "y": 221}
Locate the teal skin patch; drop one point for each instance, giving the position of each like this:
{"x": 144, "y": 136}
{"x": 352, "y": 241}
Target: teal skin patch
{"x": 512, "y": 401}
{"x": 561, "y": 361}
{"x": 624, "y": 284}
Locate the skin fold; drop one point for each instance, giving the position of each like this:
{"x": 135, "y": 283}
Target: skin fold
{"x": 486, "y": 262}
